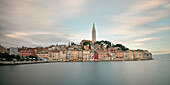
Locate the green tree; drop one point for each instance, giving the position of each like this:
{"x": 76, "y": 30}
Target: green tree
{"x": 82, "y": 47}
{"x": 108, "y": 46}
{"x": 89, "y": 46}
{"x": 27, "y": 57}
{"x": 86, "y": 43}
{"x": 122, "y": 47}
{"x": 101, "y": 46}
{"x": 97, "y": 42}
{"x": 72, "y": 43}
{"x": 18, "y": 57}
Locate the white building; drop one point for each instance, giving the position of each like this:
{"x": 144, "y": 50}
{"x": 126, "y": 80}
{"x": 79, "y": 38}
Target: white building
{"x": 13, "y": 51}
{"x": 86, "y": 55}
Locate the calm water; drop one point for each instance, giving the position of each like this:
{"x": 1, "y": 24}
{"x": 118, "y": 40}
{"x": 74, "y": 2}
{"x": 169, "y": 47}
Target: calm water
{"x": 154, "y": 72}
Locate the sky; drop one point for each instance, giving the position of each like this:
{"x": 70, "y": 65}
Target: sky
{"x": 137, "y": 24}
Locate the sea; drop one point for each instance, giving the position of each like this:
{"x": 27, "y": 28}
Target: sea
{"x": 149, "y": 72}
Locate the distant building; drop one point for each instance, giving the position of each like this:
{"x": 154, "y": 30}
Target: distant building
{"x": 147, "y": 55}
{"x": 102, "y": 54}
{"x": 43, "y": 55}
{"x": 125, "y": 55}
{"x": 75, "y": 55}
{"x": 69, "y": 55}
{"x": 13, "y": 51}
{"x": 112, "y": 54}
{"x": 27, "y": 53}
{"x": 95, "y": 55}
{"x": 131, "y": 55}
{"x": 86, "y": 55}
{"x": 62, "y": 55}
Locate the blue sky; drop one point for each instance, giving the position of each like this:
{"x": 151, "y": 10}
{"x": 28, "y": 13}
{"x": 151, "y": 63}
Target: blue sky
{"x": 137, "y": 24}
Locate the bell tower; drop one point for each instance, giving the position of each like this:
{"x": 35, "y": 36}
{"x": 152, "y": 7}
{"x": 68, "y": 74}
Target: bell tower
{"x": 93, "y": 34}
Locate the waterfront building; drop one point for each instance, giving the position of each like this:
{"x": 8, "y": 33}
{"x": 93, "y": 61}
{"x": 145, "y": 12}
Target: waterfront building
{"x": 147, "y": 55}
{"x": 56, "y": 55}
{"x": 119, "y": 55}
{"x": 43, "y": 55}
{"x": 62, "y": 55}
{"x": 27, "y": 53}
{"x": 75, "y": 55}
{"x": 50, "y": 55}
{"x": 95, "y": 55}
{"x": 69, "y": 55}
{"x": 102, "y": 54}
{"x": 125, "y": 55}
{"x": 53, "y": 54}
{"x": 80, "y": 54}
{"x": 91, "y": 55}
{"x": 131, "y": 55}
{"x": 86, "y": 55}
{"x": 139, "y": 54}
{"x": 112, "y": 54}
{"x": 13, "y": 51}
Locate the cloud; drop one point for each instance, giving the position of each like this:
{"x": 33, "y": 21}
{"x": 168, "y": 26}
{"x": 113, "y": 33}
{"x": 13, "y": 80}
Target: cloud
{"x": 139, "y": 44}
{"x": 132, "y": 33}
{"x": 146, "y": 39}
{"x": 143, "y": 5}
{"x": 141, "y": 12}
{"x": 36, "y": 22}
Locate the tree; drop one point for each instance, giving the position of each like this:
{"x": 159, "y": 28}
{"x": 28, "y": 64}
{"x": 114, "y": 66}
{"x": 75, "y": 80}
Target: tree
{"x": 12, "y": 56}
{"x": 89, "y": 46}
{"x": 122, "y": 47}
{"x": 27, "y": 57}
{"x": 86, "y": 43}
{"x": 82, "y": 47}
{"x": 101, "y": 46}
{"x": 72, "y": 43}
{"x": 17, "y": 57}
{"x": 97, "y": 42}
{"x": 113, "y": 45}
{"x": 108, "y": 46}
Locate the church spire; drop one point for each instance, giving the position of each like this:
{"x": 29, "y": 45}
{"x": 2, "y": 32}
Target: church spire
{"x": 93, "y": 34}
{"x": 93, "y": 27}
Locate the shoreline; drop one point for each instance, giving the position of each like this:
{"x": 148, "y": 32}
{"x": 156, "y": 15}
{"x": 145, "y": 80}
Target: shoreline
{"x": 37, "y": 62}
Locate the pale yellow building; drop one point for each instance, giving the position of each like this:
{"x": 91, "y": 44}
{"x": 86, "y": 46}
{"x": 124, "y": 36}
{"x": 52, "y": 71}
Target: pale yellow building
{"x": 75, "y": 55}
